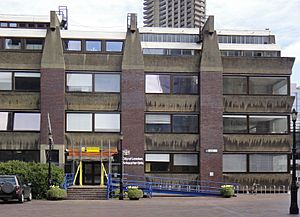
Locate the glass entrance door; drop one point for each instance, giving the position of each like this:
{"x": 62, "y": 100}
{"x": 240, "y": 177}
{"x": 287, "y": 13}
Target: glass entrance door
{"x": 91, "y": 173}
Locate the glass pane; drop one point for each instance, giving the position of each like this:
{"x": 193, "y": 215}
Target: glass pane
{"x": 4, "y": 121}
{"x": 157, "y": 167}
{"x": 185, "y": 123}
{"x": 268, "y": 124}
{"x": 72, "y": 45}
{"x": 79, "y": 122}
{"x": 107, "y": 122}
{"x": 27, "y": 81}
{"x": 154, "y": 51}
{"x": 157, "y": 158}
{"x": 114, "y": 46}
{"x": 185, "y": 160}
{"x": 269, "y": 86}
{"x": 34, "y": 44}
{"x": 93, "y": 45}
{"x": 234, "y": 163}
{"x": 5, "y": 81}
{"x": 12, "y": 43}
{"x": 27, "y": 122}
{"x": 157, "y": 83}
{"x": 185, "y": 84}
{"x": 234, "y": 85}
{"x": 107, "y": 83}
{"x": 235, "y": 124}
{"x": 268, "y": 163}
{"x": 79, "y": 82}
{"x": 158, "y": 123}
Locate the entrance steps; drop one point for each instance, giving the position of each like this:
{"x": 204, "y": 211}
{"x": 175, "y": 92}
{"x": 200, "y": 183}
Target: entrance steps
{"x": 86, "y": 192}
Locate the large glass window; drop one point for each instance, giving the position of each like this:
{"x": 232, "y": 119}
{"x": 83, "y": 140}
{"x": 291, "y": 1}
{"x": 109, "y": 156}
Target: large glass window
{"x": 184, "y": 163}
{"x": 234, "y": 85}
{"x": 26, "y": 122}
{"x": 27, "y": 81}
{"x": 4, "y": 121}
{"x": 268, "y": 163}
{"x": 79, "y": 82}
{"x": 5, "y": 80}
{"x": 185, "y": 84}
{"x": 72, "y": 45}
{"x": 185, "y": 123}
{"x": 107, "y": 122}
{"x": 158, "y": 123}
{"x": 234, "y": 163}
{"x": 93, "y": 46}
{"x": 268, "y": 124}
{"x": 13, "y": 43}
{"x": 114, "y": 46}
{"x": 157, "y": 162}
{"x": 79, "y": 122}
{"x": 21, "y": 155}
{"x": 235, "y": 123}
{"x": 157, "y": 83}
{"x": 107, "y": 83}
{"x": 268, "y": 85}
{"x": 34, "y": 44}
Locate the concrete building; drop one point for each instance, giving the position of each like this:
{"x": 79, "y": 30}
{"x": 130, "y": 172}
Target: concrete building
{"x": 213, "y": 106}
{"x": 174, "y": 13}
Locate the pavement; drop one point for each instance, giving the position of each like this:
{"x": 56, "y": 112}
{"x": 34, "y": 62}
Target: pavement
{"x": 269, "y": 205}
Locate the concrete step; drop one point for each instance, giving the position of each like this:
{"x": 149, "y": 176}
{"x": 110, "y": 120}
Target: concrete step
{"x": 86, "y": 193}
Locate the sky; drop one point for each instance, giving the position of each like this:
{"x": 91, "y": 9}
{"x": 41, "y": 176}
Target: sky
{"x": 280, "y": 16}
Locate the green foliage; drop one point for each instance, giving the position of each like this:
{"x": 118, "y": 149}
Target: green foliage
{"x": 56, "y": 193}
{"x": 227, "y": 190}
{"x": 34, "y": 173}
{"x": 134, "y": 193}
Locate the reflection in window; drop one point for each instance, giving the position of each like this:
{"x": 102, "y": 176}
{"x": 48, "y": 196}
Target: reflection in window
{"x": 34, "y": 44}
{"x": 235, "y": 123}
{"x": 185, "y": 84}
{"x": 72, "y": 45}
{"x": 268, "y": 163}
{"x": 4, "y": 121}
{"x": 234, "y": 85}
{"x": 107, "y": 83}
{"x": 185, "y": 163}
{"x": 107, "y": 122}
{"x": 27, "y": 81}
{"x": 268, "y": 85}
{"x": 79, "y": 122}
{"x": 185, "y": 123}
{"x": 5, "y": 81}
{"x": 12, "y": 43}
{"x": 21, "y": 155}
{"x": 157, "y": 83}
{"x": 157, "y": 163}
{"x": 26, "y": 122}
{"x": 93, "y": 46}
{"x": 114, "y": 46}
{"x": 79, "y": 82}
{"x": 268, "y": 124}
{"x": 158, "y": 123}
{"x": 234, "y": 163}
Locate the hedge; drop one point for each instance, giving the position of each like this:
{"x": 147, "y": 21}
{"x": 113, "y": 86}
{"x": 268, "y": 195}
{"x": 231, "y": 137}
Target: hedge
{"x": 34, "y": 173}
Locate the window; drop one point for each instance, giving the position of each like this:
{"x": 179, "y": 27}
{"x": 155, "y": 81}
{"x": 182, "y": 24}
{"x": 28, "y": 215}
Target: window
{"x": 268, "y": 163}
{"x": 157, "y": 163}
{"x": 26, "y": 122}
{"x": 79, "y": 122}
{"x": 93, "y": 46}
{"x": 268, "y": 85}
{"x": 235, "y": 123}
{"x": 3, "y": 24}
{"x": 185, "y": 163}
{"x": 34, "y": 44}
{"x": 157, "y": 83}
{"x": 13, "y": 25}
{"x": 12, "y": 43}
{"x": 114, "y": 46}
{"x": 5, "y": 81}
{"x": 107, "y": 122}
{"x": 72, "y": 45}
{"x": 234, "y": 85}
{"x": 27, "y": 81}
{"x": 158, "y": 123}
{"x": 5, "y": 120}
{"x": 79, "y": 82}
{"x": 21, "y": 155}
{"x": 185, "y": 123}
{"x": 107, "y": 83}
{"x": 234, "y": 163}
{"x": 268, "y": 124}
{"x": 185, "y": 84}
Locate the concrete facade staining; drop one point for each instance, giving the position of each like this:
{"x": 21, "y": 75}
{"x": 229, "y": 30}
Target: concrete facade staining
{"x": 133, "y": 103}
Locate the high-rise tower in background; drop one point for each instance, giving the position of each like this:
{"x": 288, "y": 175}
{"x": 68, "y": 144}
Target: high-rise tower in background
{"x": 174, "y": 13}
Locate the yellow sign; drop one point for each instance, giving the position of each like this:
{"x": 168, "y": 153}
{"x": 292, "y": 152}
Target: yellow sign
{"x": 90, "y": 149}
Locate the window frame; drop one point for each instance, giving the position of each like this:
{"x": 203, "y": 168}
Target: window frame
{"x": 117, "y": 52}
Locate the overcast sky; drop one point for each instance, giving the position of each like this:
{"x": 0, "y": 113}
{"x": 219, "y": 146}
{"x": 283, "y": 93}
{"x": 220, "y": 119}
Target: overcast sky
{"x": 280, "y": 16}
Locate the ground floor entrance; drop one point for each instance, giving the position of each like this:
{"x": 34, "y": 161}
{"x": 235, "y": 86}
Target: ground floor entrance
{"x": 91, "y": 173}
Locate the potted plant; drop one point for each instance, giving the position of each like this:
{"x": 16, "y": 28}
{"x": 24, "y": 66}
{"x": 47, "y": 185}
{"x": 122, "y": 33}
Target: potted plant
{"x": 56, "y": 193}
{"x": 134, "y": 193}
{"x": 227, "y": 190}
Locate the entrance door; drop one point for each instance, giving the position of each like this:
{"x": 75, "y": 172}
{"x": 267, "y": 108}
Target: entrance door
{"x": 91, "y": 173}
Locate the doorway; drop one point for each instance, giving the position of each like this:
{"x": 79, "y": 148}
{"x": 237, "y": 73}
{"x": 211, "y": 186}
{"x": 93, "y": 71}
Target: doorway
{"x": 91, "y": 173}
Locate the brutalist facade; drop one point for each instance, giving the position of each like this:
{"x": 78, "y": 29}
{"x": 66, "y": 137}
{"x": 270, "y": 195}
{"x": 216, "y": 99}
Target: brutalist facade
{"x": 208, "y": 105}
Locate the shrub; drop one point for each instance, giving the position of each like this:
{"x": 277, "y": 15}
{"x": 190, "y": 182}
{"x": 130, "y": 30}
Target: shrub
{"x": 134, "y": 193}
{"x": 56, "y": 193}
{"x": 34, "y": 173}
{"x": 227, "y": 190}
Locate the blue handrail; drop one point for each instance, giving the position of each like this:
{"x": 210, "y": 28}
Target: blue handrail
{"x": 68, "y": 181}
